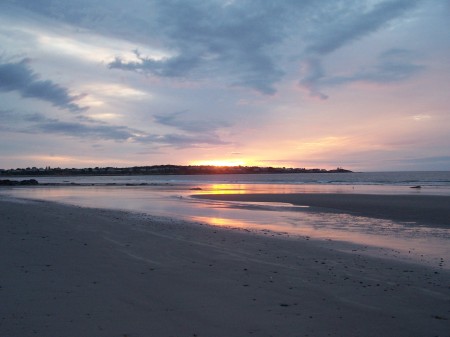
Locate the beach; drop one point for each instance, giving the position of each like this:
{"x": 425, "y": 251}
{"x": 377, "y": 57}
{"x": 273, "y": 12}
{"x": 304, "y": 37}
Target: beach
{"x": 74, "y": 271}
{"x": 431, "y": 210}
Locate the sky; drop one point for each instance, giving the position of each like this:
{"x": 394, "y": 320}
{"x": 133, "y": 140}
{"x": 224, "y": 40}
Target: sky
{"x": 363, "y": 85}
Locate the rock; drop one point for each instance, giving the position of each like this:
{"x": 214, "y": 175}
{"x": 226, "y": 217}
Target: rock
{"x": 7, "y": 182}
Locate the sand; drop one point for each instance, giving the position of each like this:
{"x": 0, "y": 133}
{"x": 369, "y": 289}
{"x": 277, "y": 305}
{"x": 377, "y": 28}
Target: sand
{"x": 71, "y": 271}
{"x": 431, "y": 210}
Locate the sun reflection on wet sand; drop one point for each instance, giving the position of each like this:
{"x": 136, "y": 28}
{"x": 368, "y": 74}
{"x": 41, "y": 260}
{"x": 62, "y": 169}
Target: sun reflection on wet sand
{"x": 257, "y": 188}
{"x": 225, "y": 189}
{"x": 275, "y": 188}
{"x": 221, "y": 222}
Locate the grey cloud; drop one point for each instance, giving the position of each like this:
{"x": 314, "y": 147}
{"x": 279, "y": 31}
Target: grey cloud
{"x": 5, "y": 113}
{"x": 117, "y": 133}
{"x": 392, "y": 66}
{"x": 436, "y": 163}
{"x": 236, "y": 42}
{"x": 313, "y": 75}
{"x": 349, "y": 25}
{"x": 6, "y": 118}
{"x": 36, "y": 117}
{"x": 183, "y": 141}
{"x": 243, "y": 38}
{"x": 181, "y": 121}
{"x": 89, "y": 129}
{"x": 200, "y": 132}
{"x": 37, "y": 122}
{"x": 426, "y": 160}
{"x": 11, "y": 117}
{"x": 244, "y": 43}
{"x": 168, "y": 67}
{"x": 108, "y": 17}
{"x": 86, "y": 119}
{"x": 20, "y": 77}
{"x": 40, "y": 123}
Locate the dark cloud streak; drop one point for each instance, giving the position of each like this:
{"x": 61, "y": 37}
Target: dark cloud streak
{"x": 20, "y": 77}
{"x": 167, "y": 67}
{"x": 117, "y": 133}
{"x": 93, "y": 130}
{"x": 182, "y": 141}
{"x": 181, "y": 121}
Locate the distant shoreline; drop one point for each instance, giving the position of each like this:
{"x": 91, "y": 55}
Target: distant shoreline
{"x": 161, "y": 170}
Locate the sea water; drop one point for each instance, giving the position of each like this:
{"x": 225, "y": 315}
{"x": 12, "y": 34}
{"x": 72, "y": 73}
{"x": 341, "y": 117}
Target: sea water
{"x": 169, "y": 196}
{"x": 376, "y": 182}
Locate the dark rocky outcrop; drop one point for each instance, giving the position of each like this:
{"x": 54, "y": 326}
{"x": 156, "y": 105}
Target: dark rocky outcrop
{"x": 27, "y": 182}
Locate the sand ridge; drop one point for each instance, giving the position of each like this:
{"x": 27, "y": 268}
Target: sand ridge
{"x": 424, "y": 209}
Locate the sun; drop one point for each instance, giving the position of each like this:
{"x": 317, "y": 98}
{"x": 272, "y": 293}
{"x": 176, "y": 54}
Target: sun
{"x": 219, "y": 162}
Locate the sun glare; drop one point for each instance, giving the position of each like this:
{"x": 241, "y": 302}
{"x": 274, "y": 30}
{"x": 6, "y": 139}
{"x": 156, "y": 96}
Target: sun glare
{"x": 224, "y": 162}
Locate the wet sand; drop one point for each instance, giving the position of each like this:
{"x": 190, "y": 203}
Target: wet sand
{"x": 72, "y": 271}
{"x": 422, "y": 209}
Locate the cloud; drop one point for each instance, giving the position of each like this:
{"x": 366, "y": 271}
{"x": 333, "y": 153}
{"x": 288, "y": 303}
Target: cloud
{"x": 89, "y": 129}
{"x": 436, "y": 159}
{"x": 180, "y": 121}
{"x": 6, "y": 119}
{"x": 201, "y": 132}
{"x": 314, "y": 73}
{"x": 393, "y": 65}
{"x": 182, "y": 141}
{"x": 348, "y": 24}
{"x": 432, "y": 163}
{"x": 20, "y": 77}
{"x": 123, "y": 133}
{"x": 5, "y": 113}
{"x": 168, "y": 67}
{"x": 243, "y": 38}
{"x": 245, "y": 43}
{"x": 39, "y": 123}
{"x": 117, "y": 133}
{"x": 235, "y": 42}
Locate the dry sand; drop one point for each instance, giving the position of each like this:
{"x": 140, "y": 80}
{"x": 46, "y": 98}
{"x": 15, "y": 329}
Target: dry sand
{"x": 71, "y": 271}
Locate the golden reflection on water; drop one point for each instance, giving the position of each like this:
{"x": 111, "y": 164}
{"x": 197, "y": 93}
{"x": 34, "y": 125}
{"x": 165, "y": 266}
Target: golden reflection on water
{"x": 221, "y": 222}
{"x": 274, "y": 188}
{"x": 251, "y": 188}
{"x": 226, "y": 189}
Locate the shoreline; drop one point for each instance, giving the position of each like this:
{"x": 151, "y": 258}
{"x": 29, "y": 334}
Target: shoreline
{"x": 76, "y": 271}
{"x": 371, "y": 235}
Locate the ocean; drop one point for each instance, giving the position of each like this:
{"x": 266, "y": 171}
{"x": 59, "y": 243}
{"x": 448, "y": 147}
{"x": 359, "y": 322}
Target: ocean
{"x": 431, "y": 182}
